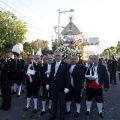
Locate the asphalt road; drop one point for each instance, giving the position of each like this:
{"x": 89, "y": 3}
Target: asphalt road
{"x": 111, "y": 108}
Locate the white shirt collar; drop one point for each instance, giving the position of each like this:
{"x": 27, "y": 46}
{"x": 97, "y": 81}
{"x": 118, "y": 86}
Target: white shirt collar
{"x": 73, "y": 65}
{"x": 58, "y": 62}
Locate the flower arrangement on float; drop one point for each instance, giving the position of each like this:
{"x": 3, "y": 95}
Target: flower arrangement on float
{"x": 67, "y": 51}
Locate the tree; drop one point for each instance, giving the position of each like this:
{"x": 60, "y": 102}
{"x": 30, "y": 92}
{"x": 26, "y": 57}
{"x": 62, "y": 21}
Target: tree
{"x": 54, "y": 45}
{"x": 27, "y": 48}
{"x": 11, "y": 30}
{"x": 43, "y": 44}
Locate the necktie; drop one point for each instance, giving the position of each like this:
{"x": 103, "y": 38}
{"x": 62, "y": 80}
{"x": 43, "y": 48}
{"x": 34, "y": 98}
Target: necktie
{"x": 88, "y": 71}
{"x": 31, "y": 67}
{"x": 92, "y": 71}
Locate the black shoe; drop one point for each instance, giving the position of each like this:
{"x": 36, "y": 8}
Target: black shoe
{"x": 2, "y": 107}
{"x": 6, "y": 108}
{"x": 84, "y": 89}
{"x": 18, "y": 95}
{"x": 76, "y": 115}
{"x": 25, "y": 109}
{"x": 62, "y": 118}
{"x": 52, "y": 118}
{"x": 49, "y": 110}
{"x": 23, "y": 91}
{"x": 35, "y": 111}
{"x": 101, "y": 115}
{"x": 13, "y": 92}
{"x": 43, "y": 113}
{"x": 87, "y": 113}
{"x": 67, "y": 112}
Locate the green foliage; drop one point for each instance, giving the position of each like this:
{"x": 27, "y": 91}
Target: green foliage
{"x": 43, "y": 44}
{"x": 27, "y": 49}
{"x": 113, "y": 50}
{"x": 54, "y": 45}
{"x": 11, "y": 30}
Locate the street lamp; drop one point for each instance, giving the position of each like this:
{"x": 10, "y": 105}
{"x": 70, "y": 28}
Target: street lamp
{"x": 71, "y": 10}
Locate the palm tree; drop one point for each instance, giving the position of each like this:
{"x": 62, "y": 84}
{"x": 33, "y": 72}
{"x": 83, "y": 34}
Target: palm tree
{"x": 112, "y": 50}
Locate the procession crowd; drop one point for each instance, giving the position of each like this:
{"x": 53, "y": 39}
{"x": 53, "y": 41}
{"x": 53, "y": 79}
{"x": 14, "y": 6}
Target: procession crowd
{"x": 56, "y": 80}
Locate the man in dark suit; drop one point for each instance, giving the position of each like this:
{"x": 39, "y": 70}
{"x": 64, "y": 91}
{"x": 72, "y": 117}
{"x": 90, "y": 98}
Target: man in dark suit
{"x": 96, "y": 75}
{"x": 31, "y": 76}
{"x": 77, "y": 75}
{"x": 22, "y": 70}
{"x": 59, "y": 81}
{"x": 18, "y": 73}
{"x": 112, "y": 67}
{"x": 46, "y": 94}
{"x": 8, "y": 67}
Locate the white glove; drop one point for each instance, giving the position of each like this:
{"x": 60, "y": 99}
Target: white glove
{"x": 47, "y": 87}
{"x": 66, "y": 90}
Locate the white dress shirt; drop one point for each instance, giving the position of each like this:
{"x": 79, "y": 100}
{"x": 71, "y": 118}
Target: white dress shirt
{"x": 7, "y": 59}
{"x": 48, "y": 69}
{"x": 57, "y": 66}
{"x": 71, "y": 69}
{"x": 96, "y": 74}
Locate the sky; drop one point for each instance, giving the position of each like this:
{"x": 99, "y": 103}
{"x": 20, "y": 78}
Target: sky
{"x": 95, "y": 18}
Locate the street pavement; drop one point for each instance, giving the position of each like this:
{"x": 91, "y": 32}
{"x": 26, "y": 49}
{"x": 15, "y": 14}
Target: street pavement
{"x": 111, "y": 108}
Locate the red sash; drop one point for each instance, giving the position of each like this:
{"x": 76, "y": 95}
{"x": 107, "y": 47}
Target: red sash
{"x": 93, "y": 84}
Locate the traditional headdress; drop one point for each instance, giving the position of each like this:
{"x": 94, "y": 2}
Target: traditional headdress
{"x": 17, "y": 49}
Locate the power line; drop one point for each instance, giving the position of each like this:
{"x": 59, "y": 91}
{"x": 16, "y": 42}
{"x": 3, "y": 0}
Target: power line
{"x": 31, "y": 10}
{"x": 21, "y": 14}
{"x": 30, "y": 24}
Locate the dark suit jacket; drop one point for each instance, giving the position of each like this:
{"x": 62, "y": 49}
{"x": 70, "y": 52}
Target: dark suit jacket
{"x": 7, "y": 71}
{"x": 112, "y": 65}
{"x": 62, "y": 78}
{"x": 78, "y": 74}
{"x": 45, "y": 79}
{"x": 35, "y": 78}
{"x": 103, "y": 75}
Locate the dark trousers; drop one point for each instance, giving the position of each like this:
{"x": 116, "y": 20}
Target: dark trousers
{"x": 96, "y": 93}
{"x": 18, "y": 78}
{"x": 55, "y": 97}
{"x": 32, "y": 89}
{"x": 45, "y": 94}
{"x": 6, "y": 94}
{"x": 74, "y": 92}
{"x": 119, "y": 75}
{"x": 113, "y": 76}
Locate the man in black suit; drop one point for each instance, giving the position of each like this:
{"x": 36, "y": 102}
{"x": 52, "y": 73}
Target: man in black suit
{"x": 31, "y": 76}
{"x": 22, "y": 70}
{"x": 18, "y": 73}
{"x": 112, "y": 67}
{"x": 46, "y": 94}
{"x": 59, "y": 81}
{"x": 77, "y": 75}
{"x": 8, "y": 67}
{"x": 96, "y": 76}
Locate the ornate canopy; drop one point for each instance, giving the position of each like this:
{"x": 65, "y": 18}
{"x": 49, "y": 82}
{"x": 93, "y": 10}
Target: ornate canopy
{"x": 71, "y": 29}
